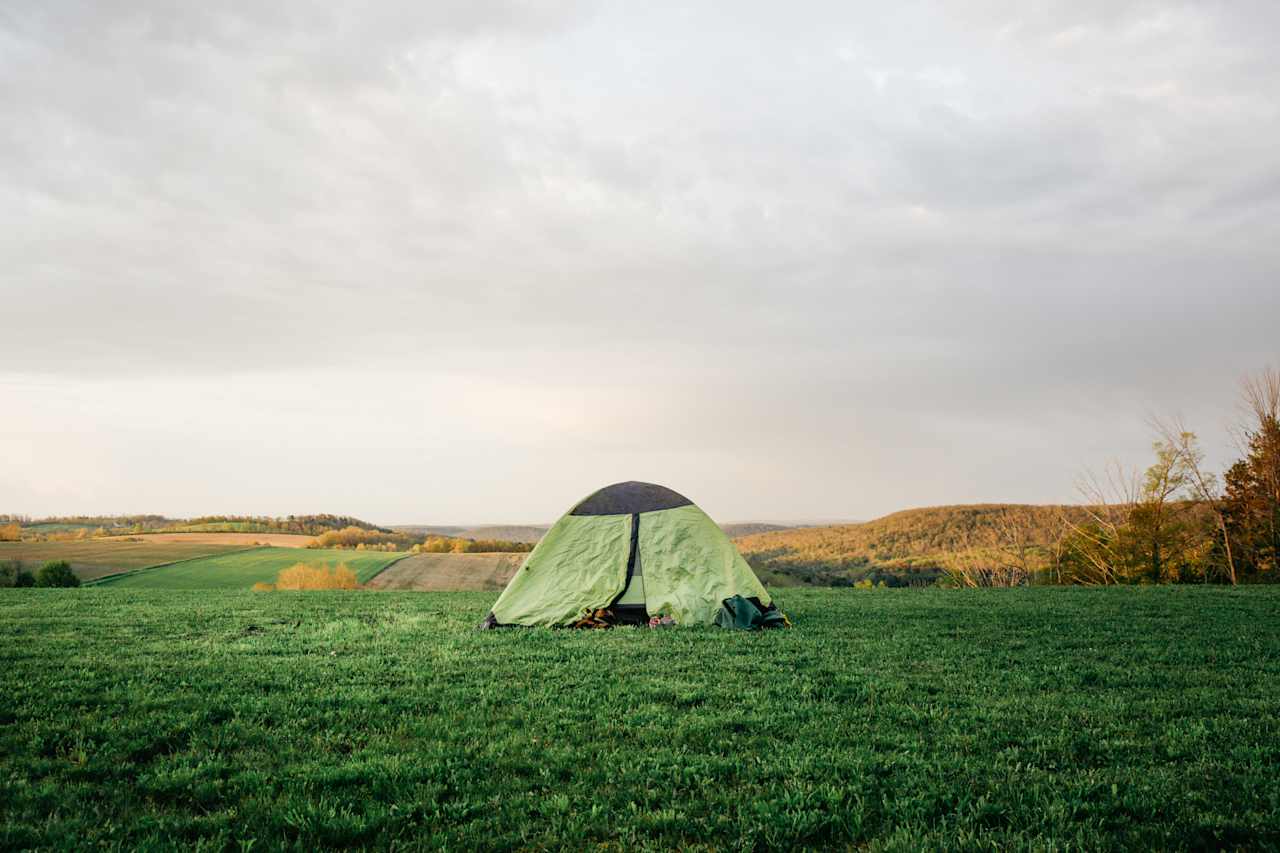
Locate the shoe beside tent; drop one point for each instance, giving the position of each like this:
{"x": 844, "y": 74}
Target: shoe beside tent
{"x": 636, "y": 549}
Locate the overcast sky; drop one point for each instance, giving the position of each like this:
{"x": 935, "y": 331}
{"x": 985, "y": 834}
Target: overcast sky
{"x": 467, "y": 261}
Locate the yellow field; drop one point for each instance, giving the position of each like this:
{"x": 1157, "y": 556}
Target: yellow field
{"x": 449, "y": 572}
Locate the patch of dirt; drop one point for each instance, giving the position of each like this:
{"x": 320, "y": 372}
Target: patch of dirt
{"x": 449, "y": 572}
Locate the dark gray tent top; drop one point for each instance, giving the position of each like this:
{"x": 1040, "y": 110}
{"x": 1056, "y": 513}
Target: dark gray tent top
{"x": 630, "y": 498}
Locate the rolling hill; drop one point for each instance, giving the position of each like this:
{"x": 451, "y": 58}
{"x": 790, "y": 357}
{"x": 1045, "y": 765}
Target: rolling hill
{"x": 904, "y": 547}
{"x": 750, "y": 528}
{"x": 534, "y": 532}
{"x": 504, "y": 532}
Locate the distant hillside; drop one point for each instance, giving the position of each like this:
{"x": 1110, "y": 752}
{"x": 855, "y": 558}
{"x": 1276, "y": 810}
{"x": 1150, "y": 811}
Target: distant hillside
{"x": 310, "y": 525}
{"x": 59, "y": 524}
{"x": 908, "y": 546}
{"x": 80, "y": 526}
{"x": 505, "y": 532}
{"x": 426, "y": 529}
{"x": 534, "y": 532}
{"x": 750, "y": 528}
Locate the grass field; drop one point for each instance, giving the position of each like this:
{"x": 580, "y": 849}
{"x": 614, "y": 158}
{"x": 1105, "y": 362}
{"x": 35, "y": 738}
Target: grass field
{"x": 1132, "y": 718}
{"x": 283, "y": 540}
{"x": 450, "y": 572}
{"x": 242, "y": 569}
{"x": 93, "y": 558}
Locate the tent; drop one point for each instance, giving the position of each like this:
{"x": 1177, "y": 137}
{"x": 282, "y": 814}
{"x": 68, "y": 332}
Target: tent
{"x": 637, "y": 550}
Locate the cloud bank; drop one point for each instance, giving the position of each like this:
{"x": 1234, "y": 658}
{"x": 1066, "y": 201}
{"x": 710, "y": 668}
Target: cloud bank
{"x": 470, "y": 261}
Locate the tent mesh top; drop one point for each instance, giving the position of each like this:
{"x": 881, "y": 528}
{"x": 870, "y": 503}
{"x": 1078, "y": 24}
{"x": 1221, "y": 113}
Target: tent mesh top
{"x": 630, "y": 497}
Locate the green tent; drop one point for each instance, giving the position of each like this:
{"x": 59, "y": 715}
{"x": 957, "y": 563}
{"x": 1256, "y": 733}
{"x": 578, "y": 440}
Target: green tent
{"x": 634, "y": 549}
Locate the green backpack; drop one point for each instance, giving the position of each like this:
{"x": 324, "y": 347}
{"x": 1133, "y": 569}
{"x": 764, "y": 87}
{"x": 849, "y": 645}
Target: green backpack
{"x": 744, "y": 615}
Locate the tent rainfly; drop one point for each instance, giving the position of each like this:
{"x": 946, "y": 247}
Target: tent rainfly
{"x": 637, "y": 550}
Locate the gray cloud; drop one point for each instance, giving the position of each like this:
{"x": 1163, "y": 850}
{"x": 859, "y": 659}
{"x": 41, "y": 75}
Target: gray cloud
{"x": 814, "y": 259}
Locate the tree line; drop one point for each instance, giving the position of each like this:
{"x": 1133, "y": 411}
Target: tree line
{"x": 360, "y": 539}
{"x": 18, "y": 527}
{"x": 1175, "y": 522}
{"x": 364, "y": 539}
{"x": 457, "y": 545}
{"x": 911, "y": 547}
{"x": 308, "y": 525}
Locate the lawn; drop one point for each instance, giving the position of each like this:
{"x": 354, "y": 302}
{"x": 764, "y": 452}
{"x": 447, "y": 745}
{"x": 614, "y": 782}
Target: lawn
{"x": 1061, "y": 718}
{"x": 242, "y": 569}
{"x": 93, "y": 558}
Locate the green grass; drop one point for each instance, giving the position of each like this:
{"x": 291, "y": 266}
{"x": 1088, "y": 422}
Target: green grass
{"x": 1138, "y": 718}
{"x": 93, "y": 558}
{"x": 242, "y": 569}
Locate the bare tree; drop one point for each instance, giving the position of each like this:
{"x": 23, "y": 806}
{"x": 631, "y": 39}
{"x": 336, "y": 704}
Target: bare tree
{"x": 1003, "y": 555}
{"x": 965, "y": 567}
{"x": 1109, "y": 503}
{"x": 1056, "y": 545}
{"x": 1261, "y": 394}
{"x": 1016, "y": 544}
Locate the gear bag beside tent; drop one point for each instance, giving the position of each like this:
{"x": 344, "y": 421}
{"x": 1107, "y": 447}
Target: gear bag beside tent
{"x": 637, "y": 550}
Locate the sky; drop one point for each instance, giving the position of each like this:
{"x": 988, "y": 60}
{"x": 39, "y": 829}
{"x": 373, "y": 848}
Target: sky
{"x": 468, "y": 261}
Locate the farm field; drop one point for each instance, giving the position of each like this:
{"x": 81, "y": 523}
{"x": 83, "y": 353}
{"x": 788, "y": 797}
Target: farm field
{"x": 94, "y": 558}
{"x": 281, "y": 540}
{"x": 56, "y": 527}
{"x": 1138, "y": 718}
{"x": 450, "y": 572}
{"x": 242, "y": 569}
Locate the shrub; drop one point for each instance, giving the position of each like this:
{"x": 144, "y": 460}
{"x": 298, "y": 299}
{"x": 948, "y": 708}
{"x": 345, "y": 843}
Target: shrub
{"x": 56, "y": 573}
{"x": 303, "y": 576}
{"x": 9, "y": 571}
{"x": 10, "y": 533}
